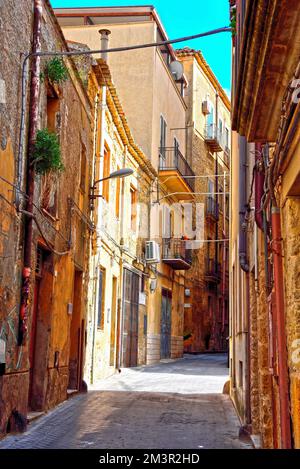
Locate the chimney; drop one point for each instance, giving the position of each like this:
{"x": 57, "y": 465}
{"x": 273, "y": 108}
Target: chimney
{"x": 104, "y": 42}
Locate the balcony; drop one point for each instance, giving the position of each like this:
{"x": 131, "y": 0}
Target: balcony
{"x": 176, "y": 255}
{"x": 212, "y": 271}
{"x": 175, "y": 172}
{"x": 214, "y": 139}
{"x": 212, "y": 209}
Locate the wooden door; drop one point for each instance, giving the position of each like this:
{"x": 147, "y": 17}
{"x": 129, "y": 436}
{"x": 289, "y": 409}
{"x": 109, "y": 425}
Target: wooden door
{"x": 76, "y": 336}
{"x": 166, "y": 312}
{"x": 33, "y": 336}
{"x": 130, "y": 319}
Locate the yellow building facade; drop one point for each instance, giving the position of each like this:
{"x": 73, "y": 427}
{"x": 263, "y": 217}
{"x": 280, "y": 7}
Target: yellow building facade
{"x": 156, "y": 113}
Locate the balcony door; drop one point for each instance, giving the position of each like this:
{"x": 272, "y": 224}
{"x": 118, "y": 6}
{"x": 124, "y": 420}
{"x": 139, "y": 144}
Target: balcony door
{"x": 163, "y": 143}
{"x": 166, "y": 312}
{"x": 176, "y": 153}
{"x": 210, "y": 123}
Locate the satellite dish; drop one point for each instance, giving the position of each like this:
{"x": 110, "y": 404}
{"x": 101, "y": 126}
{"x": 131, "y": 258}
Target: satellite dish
{"x": 177, "y": 69}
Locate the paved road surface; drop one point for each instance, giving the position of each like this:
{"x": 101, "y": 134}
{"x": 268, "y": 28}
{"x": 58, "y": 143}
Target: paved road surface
{"x": 173, "y": 405}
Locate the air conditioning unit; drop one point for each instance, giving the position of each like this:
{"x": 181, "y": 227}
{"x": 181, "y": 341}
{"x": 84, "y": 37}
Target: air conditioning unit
{"x": 152, "y": 252}
{"x": 206, "y": 108}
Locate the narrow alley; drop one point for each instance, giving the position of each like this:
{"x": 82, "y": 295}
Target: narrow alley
{"x": 150, "y": 228}
{"x": 171, "y": 405}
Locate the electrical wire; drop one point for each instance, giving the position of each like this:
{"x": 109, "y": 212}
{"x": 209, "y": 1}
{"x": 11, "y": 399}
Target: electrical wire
{"x": 27, "y": 56}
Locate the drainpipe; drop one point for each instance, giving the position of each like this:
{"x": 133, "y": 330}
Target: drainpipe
{"x": 285, "y": 426}
{"x": 243, "y": 204}
{"x": 259, "y": 188}
{"x": 243, "y": 258}
{"x": 100, "y": 152}
{"x": 224, "y": 256}
{"x": 122, "y": 232}
{"x": 33, "y": 127}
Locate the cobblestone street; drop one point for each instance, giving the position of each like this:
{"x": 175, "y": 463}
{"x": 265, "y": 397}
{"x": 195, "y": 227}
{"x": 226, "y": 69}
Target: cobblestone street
{"x": 173, "y": 405}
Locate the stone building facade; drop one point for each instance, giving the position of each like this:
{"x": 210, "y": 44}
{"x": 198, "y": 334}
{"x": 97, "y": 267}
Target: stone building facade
{"x": 154, "y": 113}
{"x": 118, "y": 291}
{"x": 208, "y": 126}
{"x": 37, "y": 371}
{"x": 264, "y": 250}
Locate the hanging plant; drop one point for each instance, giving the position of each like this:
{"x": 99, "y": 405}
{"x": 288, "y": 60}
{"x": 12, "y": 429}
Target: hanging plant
{"x": 46, "y": 154}
{"x": 56, "y": 71}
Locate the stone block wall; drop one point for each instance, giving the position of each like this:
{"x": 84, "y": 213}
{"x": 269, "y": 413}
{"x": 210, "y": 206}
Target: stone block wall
{"x": 153, "y": 349}
{"x": 176, "y": 347}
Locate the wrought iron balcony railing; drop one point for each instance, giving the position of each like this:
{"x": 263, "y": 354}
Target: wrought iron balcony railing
{"x": 214, "y": 138}
{"x": 176, "y": 254}
{"x": 171, "y": 158}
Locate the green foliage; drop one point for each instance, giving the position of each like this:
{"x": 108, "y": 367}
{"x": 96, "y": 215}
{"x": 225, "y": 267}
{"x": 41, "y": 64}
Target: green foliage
{"x": 233, "y": 22}
{"x": 56, "y": 71}
{"x": 46, "y": 154}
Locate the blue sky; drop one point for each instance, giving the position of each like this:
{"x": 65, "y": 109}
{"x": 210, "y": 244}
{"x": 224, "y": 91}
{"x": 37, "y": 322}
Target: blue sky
{"x": 184, "y": 18}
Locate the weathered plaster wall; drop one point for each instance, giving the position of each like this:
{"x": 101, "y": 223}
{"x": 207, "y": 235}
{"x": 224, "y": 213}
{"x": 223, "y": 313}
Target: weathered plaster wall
{"x": 73, "y": 125}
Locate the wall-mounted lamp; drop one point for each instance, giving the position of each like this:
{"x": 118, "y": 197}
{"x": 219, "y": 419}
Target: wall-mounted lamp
{"x": 121, "y": 173}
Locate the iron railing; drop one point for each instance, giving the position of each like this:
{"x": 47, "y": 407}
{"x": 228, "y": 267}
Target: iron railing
{"x": 173, "y": 248}
{"x": 212, "y": 132}
{"x": 171, "y": 158}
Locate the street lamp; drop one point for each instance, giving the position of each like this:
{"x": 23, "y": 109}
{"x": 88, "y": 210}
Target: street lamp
{"x": 121, "y": 173}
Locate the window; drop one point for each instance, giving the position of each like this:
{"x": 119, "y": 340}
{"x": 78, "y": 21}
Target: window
{"x": 101, "y": 299}
{"x": 227, "y": 137}
{"x": 163, "y": 140}
{"x": 118, "y": 190}
{"x": 241, "y": 381}
{"x": 53, "y": 114}
{"x": 176, "y": 150}
{"x": 227, "y": 206}
{"x": 220, "y": 252}
{"x": 220, "y": 127}
{"x": 49, "y": 182}
{"x": 133, "y": 201}
{"x": 83, "y": 168}
{"x": 220, "y": 309}
{"x": 210, "y": 123}
{"x": 106, "y": 173}
{"x": 211, "y": 187}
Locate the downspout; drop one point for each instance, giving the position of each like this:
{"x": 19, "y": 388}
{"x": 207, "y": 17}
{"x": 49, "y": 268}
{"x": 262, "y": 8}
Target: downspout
{"x": 243, "y": 204}
{"x": 33, "y": 127}
{"x": 283, "y": 373}
{"x": 259, "y": 187}
{"x": 243, "y": 258}
{"x": 217, "y": 224}
{"x": 285, "y": 426}
{"x": 224, "y": 257}
{"x": 100, "y": 151}
{"x": 120, "y": 305}
{"x": 93, "y": 268}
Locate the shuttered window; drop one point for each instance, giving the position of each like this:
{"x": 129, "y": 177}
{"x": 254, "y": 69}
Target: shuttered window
{"x": 101, "y": 290}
